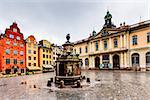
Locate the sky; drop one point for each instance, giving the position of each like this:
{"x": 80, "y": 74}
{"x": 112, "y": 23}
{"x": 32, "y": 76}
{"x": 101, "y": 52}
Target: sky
{"x": 53, "y": 19}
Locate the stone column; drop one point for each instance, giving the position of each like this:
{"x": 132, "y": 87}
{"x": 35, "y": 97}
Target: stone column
{"x": 142, "y": 59}
{"x": 101, "y": 59}
{"x": 101, "y": 45}
{"x": 125, "y": 41}
{"x": 93, "y": 62}
{"x": 90, "y": 62}
{"x": 110, "y": 43}
{"x": 110, "y": 60}
{"x": 90, "y": 46}
{"x": 128, "y": 41}
{"x": 121, "y": 60}
{"x": 125, "y": 59}
{"x": 120, "y": 41}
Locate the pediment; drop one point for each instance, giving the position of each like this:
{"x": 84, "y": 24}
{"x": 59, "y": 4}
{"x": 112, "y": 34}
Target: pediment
{"x": 106, "y": 32}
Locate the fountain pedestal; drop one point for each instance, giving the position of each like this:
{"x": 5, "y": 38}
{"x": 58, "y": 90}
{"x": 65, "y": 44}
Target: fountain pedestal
{"x": 68, "y": 65}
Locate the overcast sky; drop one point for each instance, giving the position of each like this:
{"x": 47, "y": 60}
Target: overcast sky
{"x": 53, "y": 19}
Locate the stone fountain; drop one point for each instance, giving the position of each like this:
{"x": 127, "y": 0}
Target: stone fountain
{"x": 68, "y": 71}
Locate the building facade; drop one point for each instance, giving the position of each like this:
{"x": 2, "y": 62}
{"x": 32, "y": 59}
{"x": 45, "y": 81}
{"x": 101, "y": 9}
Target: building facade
{"x": 124, "y": 47}
{"x": 45, "y": 55}
{"x": 32, "y": 54}
{"x": 12, "y": 51}
{"x": 56, "y": 50}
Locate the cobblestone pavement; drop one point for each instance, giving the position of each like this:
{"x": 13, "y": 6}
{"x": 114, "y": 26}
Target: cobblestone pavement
{"x": 113, "y": 85}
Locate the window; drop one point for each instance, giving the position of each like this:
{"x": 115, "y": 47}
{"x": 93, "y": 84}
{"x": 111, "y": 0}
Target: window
{"x": 18, "y": 38}
{"x": 105, "y": 44}
{"x": 86, "y": 49}
{"x": 47, "y": 62}
{"x": 34, "y": 64}
{"x": 15, "y": 61}
{"x": 29, "y": 51}
{"x": 21, "y": 45}
{"x": 21, "y": 62}
{"x": 21, "y": 53}
{"x": 7, "y": 51}
{"x": 80, "y": 50}
{"x": 46, "y": 56}
{"x": 15, "y": 44}
{"x": 43, "y": 50}
{"x": 115, "y": 43}
{"x": 43, "y": 61}
{"x": 86, "y": 62}
{"x": 148, "y": 58}
{"x": 43, "y": 55}
{"x": 34, "y": 52}
{"x": 50, "y": 62}
{"x": 49, "y": 56}
{"x": 148, "y": 37}
{"x": 15, "y": 52}
{"x": 7, "y": 42}
{"x": 29, "y": 57}
{"x": 7, "y": 61}
{"x": 11, "y": 36}
{"x": 96, "y": 45}
{"x": 46, "y": 50}
{"x": 34, "y": 58}
{"x": 29, "y": 64}
{"x": 134, "y": 40}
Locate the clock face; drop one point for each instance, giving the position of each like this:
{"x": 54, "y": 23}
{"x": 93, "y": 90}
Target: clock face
{"x": 14, "y": 30}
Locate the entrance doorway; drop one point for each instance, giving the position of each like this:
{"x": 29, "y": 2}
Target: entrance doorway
{"x": 116, "y": 62}
{"x": 97, "y": 62}
{"x": 105, "y": 60}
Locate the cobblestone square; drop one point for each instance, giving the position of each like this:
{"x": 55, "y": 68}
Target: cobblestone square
{"x": 111, "y": 85}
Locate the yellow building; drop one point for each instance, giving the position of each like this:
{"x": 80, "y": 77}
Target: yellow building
{"x": 123, "y": 47}
{"x": 45, "y": 52}
{"x": 32, "y": 54}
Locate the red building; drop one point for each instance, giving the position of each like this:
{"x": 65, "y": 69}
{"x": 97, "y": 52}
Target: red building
{"x": 12, "y": 51}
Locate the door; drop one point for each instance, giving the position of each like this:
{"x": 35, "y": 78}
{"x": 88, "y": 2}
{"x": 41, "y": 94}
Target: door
{"x": 116, "y": 62}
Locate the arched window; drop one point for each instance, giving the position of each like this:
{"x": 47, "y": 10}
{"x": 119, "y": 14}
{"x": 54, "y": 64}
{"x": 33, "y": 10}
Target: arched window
{"x": 148, "y": 58}
{"x": 135, "y": 59}
{"x": 86, "y": 62}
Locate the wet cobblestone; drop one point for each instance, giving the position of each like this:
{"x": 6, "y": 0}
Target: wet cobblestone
{"x": 113, "y": 85}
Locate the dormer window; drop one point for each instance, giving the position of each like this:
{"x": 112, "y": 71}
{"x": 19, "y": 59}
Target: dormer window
{"x": 14, "y": 30}
{"x": 18, "y": 38}
{"x": 11, "y": 36}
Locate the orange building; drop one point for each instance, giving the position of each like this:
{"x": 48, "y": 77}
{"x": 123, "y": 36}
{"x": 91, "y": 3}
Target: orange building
{"x": 12, "y": 51}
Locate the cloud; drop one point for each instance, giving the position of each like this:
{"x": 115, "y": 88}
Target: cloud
{"x": 53, "y": 19}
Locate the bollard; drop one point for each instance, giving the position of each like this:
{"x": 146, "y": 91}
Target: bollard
{"x": 34, "y": 86}
{"x": 49, "y": 83}
{"x": 51, "y": 79}
{"x": 83, "y": 77}
{"x": 78, "y": 84}
{"x": 88, "y": 80}
{"x": 61, "y": 84}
